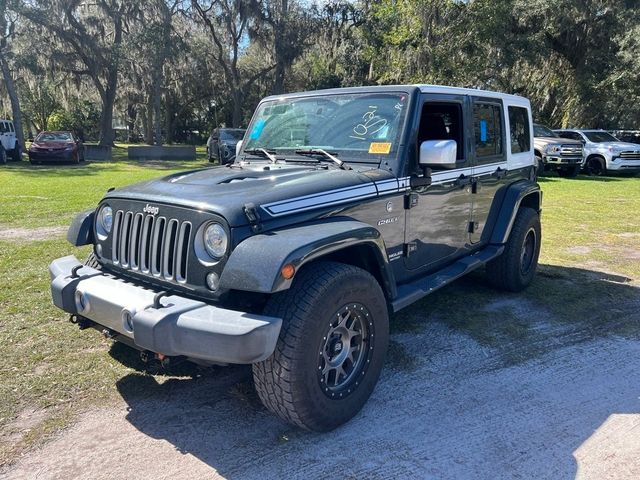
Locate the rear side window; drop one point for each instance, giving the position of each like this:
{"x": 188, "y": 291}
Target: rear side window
{"x": 3, "y": 127}
{"x": 519, "y": 129}
{"x": 487, "y": 124}
{"x": 11, "y": 127}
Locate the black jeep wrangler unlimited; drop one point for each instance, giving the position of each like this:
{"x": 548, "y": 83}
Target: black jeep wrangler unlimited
{"x": 343, "y": 207}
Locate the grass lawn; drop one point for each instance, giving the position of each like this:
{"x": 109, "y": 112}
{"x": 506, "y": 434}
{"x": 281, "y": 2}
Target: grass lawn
{"x": 588, "y": 282}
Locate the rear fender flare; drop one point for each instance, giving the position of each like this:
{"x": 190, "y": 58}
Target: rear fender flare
{"x": 520, "y": 194}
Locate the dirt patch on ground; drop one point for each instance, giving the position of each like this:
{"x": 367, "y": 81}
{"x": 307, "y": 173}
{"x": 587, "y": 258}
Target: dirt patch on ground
{"x": 31, "y": 234}
{"x": 28, "y": 419}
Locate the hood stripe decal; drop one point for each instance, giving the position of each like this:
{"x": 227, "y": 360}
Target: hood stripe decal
{"x": 374, "y": 189}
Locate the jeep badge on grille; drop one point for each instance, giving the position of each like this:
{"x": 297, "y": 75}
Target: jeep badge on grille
{"x": 150, "y": 209}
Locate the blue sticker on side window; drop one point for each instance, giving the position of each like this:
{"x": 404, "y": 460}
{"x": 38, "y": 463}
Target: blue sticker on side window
{"x": 483, "y": 130}
{"x": 257, "y": 130}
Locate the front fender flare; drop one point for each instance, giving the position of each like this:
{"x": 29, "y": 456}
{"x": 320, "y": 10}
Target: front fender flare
{"x": 81, "y": 229}
{"x": 255, "y": 263}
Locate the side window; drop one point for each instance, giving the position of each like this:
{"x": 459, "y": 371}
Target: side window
{"x": 487, "y": 125}
{"x": 519, "y": 129}
{"x": 442, "y": 121}
{"x": 11, "y": 127}
{"x": 3, "y": 127}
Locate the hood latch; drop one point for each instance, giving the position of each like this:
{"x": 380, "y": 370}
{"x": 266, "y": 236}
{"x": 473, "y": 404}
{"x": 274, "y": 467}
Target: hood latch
{"x": 251, "y": 212}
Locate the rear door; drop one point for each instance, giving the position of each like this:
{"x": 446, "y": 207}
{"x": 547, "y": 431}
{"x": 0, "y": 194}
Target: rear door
{"x": 489, "y": 160}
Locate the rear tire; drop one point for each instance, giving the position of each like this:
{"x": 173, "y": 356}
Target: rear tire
{"x": 331, "y": 349}
{"x": 515, "y": 268}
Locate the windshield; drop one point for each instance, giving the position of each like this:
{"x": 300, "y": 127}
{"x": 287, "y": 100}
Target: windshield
{"x": 231, "y": 134}
{"x": 54, "y": 137}
{"x": 357, "y": 127}
{"x": 542, "y": 131}
{"x": 600, "y": 137}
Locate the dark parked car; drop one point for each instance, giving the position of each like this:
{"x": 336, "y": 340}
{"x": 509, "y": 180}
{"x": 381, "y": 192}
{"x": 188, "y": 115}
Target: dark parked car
{"x": 56, "y": 146}
{"x": 222, "y": 142}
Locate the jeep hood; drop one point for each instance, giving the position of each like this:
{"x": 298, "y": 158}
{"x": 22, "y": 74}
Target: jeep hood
{"x": 275, "y": 189}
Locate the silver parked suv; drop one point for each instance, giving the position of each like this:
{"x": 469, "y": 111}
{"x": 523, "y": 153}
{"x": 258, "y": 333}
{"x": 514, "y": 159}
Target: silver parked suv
{"x": 605, "y": 153}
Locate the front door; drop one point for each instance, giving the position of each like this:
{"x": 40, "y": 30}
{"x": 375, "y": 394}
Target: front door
{"x": 438, "y": 221}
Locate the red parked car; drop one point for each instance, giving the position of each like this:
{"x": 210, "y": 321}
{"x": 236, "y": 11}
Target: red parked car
{"x": 56, "y": 146}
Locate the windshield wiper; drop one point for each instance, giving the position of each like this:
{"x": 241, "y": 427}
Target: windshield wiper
{"x": 261, "y": 152}
{"x": 320, "y": 152}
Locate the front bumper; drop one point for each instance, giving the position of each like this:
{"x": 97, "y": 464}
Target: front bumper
{"x": 174, "y": 326}
{"x": 561, "y": 161}
{"x": 621, "y": 164}
{"x": 51, "y": 155}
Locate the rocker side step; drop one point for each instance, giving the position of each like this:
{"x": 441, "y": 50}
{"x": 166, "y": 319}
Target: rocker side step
{"x": 414, "y": 291}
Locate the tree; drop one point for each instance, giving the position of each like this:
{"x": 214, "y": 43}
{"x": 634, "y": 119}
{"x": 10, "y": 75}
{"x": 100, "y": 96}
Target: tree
{"x": 227, "y": 23}
{"x": 7, "y": 31}
{"x": 91, "y": 36}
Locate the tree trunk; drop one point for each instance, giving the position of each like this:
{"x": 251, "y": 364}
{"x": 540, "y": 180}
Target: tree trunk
{"x": 106, "y": 118}
{"x": 148, "y": 123}
{"x": 236, "y": 116}
{"x": 157, "y": 105}
{"x": 13, "y": 97}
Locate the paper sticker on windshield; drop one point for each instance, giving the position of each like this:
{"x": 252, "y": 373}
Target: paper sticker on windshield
{"x": 380, "y": 148}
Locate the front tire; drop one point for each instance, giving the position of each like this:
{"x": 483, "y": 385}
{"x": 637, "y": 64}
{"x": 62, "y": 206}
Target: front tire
{"x": 596, "y": 166}
{"x": 515, "y": 268}
{"x": 331, "y": 348}
{"x": 3, "y": 155}
{"x": 571, "y": 172}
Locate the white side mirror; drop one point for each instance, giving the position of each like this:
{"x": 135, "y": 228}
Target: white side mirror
{"x": 438, "y": 153}
{"x": 238, "y": 147}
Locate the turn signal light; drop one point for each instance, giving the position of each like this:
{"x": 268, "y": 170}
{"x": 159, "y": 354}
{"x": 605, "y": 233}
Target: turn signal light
{"x": 288, "y": 271}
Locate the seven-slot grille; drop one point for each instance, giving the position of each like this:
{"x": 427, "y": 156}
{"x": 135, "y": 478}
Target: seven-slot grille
{"x": 157, "y": 246}
{"x": 571, "y": 150}
{"x": 630, "y": 155}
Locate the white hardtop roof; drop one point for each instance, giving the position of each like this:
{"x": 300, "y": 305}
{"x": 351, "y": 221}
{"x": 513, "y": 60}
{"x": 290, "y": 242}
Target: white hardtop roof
{"x": 425, "y": 88}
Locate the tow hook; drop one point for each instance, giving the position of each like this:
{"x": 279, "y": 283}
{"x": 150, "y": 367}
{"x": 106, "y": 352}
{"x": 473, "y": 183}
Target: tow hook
{"x": 82, "y": 322}
{"x": 147, "y": 356}
{"x": 109, "y": 334}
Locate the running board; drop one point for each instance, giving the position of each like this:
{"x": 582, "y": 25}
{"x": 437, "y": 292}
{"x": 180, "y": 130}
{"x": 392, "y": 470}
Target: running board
{"x": 412, "y": 292}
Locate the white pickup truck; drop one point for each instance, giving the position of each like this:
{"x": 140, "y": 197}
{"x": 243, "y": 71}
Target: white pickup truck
{"x": 9, "y": 145}
{"x": 605, "y": 153}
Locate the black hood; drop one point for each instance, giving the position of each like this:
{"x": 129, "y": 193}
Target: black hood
{"x": 275, "y": 189}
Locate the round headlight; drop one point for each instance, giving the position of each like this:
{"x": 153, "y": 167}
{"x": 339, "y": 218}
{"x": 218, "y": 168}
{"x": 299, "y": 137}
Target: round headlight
{"x": 215, "y": 240}
{"x": 106, "y": 218}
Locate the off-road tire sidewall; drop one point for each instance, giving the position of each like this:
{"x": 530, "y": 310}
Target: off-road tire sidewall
{"x": 288, "y": 382}
{"x": 504, "y": 272}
